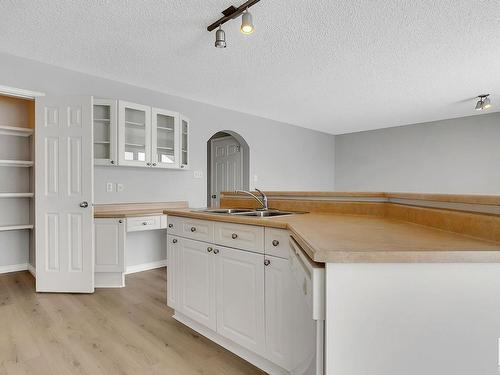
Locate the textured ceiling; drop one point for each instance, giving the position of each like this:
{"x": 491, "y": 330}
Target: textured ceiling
{"x": 336, "y": 66}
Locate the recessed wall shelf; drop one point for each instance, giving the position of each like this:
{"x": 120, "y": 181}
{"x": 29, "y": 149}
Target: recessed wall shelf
{"x": 16, "y": 195}
{"x": 15, "y": 227}
{"x": 16, "y": 163}
{"x": 16, "y": 131}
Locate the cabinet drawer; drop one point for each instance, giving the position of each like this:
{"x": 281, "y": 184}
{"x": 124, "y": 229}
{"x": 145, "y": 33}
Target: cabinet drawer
{"x": 201, "y": 230}
{"x": 135, "y": 224}
{"x": 246, "y": 237}
{"x": 277, "y": 242}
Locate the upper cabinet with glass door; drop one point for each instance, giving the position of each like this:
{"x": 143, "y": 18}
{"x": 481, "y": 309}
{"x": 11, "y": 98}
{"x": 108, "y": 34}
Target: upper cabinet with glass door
{"x": 134, "y": 134}
{"x": 165, "y": 142}
{"x": 184, "y": 142}
{"x": 105, "y": 132}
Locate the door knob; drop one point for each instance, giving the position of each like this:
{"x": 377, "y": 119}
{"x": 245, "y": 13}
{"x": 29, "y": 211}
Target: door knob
{"x": 84, "y": 204}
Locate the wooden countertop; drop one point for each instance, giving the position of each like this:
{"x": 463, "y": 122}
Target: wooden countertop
{"x": 340, "y": 238}
{"x": 124, "y": 210}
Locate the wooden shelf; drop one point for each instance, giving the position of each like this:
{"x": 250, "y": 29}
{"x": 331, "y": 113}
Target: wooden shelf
{"x": 16, "y": 195}
{"x": 16, "y": 131}
{"x": 16, "y": 163}
{"x": 15, "y": 227}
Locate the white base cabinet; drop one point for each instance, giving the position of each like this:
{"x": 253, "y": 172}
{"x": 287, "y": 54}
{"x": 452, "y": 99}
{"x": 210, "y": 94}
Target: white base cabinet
{"x": 109, "y": 252}
{"x": 242, "y": 296}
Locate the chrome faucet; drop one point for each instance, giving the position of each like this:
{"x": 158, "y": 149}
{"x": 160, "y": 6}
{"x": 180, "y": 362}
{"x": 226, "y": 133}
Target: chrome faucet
{"x": 263, "y": 200}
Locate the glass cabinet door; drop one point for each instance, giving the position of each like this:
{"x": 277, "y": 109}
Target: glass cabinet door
{"x": 134, "y": 134}
{"x": 105, "y": 126}
{"x": 165, "y": 140}
{"x": 184, "y": 142}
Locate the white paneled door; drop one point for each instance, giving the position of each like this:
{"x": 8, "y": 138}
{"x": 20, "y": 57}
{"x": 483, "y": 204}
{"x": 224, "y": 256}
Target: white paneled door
{"x": 226, "y": 168}
{"x": 64, "y": 195}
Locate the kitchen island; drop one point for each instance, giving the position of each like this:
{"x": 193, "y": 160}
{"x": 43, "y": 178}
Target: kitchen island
{"x": 409, "y": 281}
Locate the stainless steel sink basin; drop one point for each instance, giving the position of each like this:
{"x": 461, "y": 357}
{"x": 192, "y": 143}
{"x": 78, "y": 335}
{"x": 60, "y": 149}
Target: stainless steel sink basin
{"x": 225, "y": 210}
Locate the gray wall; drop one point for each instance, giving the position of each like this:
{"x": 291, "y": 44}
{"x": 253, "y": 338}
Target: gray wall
{"x": 450, "y": 156}
{"x": 284, "y": 157}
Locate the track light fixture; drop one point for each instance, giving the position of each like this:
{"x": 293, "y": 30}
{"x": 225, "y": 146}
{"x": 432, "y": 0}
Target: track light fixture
{"x": 229, "y": 14}
{"x": 484, "y": 102}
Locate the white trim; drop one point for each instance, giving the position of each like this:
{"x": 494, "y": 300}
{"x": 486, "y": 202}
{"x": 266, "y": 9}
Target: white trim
{"x": 240, "y": 351}
{"x": 14, "y": 268}
{"x": 19, "y": 93}
{"x": 146, "y": 266}
{"x": 32, "y": 270}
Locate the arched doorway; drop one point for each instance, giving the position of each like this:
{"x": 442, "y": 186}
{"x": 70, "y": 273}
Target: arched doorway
{"x": 227, "y": 165}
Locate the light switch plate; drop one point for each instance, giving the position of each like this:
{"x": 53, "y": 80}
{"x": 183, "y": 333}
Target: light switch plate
{"x": 120, "y": 187}
{"x": 109, "y": 187}
{"x": 198, "y": 174}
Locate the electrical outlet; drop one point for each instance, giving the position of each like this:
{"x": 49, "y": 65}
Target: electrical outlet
{"x": 198, "y": 174}
{"x": 109, "y": 187}
{"x": 120, "y": 187}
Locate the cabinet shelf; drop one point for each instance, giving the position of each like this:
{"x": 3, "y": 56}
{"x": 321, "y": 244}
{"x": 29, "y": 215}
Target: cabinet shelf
{"x": 102, "y": 119}
{"x": 165, "y": 148}
{"x": 16, "y": 195}
{"x": 134, "y": 123}
{"x": 165, "y": 128}
{"x": 16, "y": 131}
{"x": 134, "y": 145}
{"x": 15, "y": 227}
{"x": 102, "y": 142}
{"x": 16, "y": 163}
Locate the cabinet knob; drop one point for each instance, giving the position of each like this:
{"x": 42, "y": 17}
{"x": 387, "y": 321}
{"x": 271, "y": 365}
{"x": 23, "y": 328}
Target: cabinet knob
{"x": 170, "y": 225}
{"x": 144, "y": 223}
{"x": 216, "y": 251}
{"x": 154, "y": 164}
{"x": 209, "y": 249}
{"x": 120, "y": 221}
{"x": 193, "y": 229}
{"x": 148, "y": 164}
{"x": 84, "y": 204}
{"x": 276, "y": 242}
{"x": 174, "y": 240}
{"x": 234, "y": 236}
{"x": 112, "y": 161}
{"x": 267, "y": 262}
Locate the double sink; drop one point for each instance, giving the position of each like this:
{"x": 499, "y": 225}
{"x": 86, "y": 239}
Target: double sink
{"x": 248, "y": 212}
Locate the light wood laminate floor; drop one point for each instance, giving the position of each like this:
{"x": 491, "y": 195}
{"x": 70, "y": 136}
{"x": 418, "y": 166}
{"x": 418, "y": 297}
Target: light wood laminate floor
{"x": 113, "y": 331}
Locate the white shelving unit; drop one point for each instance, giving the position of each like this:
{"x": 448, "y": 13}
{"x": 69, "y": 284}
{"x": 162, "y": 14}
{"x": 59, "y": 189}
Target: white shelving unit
{"x": 16, "y": 177}
{"x": 105, "y": 132}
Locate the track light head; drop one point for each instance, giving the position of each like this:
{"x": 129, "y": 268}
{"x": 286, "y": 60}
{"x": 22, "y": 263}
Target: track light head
{"x": 247, "y": 23}
{"x": 220, "y": 38}
{"x": 484, "y": 102}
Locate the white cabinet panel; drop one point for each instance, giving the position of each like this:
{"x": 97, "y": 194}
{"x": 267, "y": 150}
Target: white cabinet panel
{"x": 109, "y": 245}
{"x": 165, "y": 139}
{"x": 134, "y": 134}
{"x": 173, "y": 272}
{"x": 248, "y": 237}
{"x": 135, "y": 224}
{"x": 197, "y": 299}
{"x": 277, "y": 242}
{"x": 279, "y": 323}
{"x": 240, "y": 298}
{"x": 185, "y": 124}
{"x": 202, "y": 230}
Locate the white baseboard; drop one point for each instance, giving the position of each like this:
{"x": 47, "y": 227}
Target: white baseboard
{"x": 14, "y": 268}
{"x": 32, "y": 270}
{"x": 146, "y": 266}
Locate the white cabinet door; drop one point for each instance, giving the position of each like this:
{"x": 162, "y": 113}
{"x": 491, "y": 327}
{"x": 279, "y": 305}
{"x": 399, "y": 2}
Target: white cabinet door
{"x": 197, "y": 299}
{"x": 134, "y": 134}
{"x": 240, "y": 297}
{"x": 109, "y": 245}
{"x": 279, "y": 324}
{"x": 165, "y": 142}
{"x": 64, "y": 172}
{"x": 185, "y": 123}
{"x": 105, "y": 132}
{"x": 174, "y": 285}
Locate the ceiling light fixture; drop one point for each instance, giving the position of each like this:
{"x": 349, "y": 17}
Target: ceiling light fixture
{"x": 231, "y": 13}
{"x": 484, "y": 102}
{"x": 247, "y": 23}
{"x": 220, "y": 38}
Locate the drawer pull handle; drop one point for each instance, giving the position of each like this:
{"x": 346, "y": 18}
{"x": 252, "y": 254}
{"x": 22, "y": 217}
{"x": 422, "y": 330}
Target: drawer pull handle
{"x": 193, "y": 229}
{"x": 170, "y": 225}
{"x": 276, "y": 242}
{"x": 267, "y": 262}
{"x": 234, "y": 236}
{"x": 209, "y": 249}
{"x": 216, "y": 251}
{"x": 174, "y": 240}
